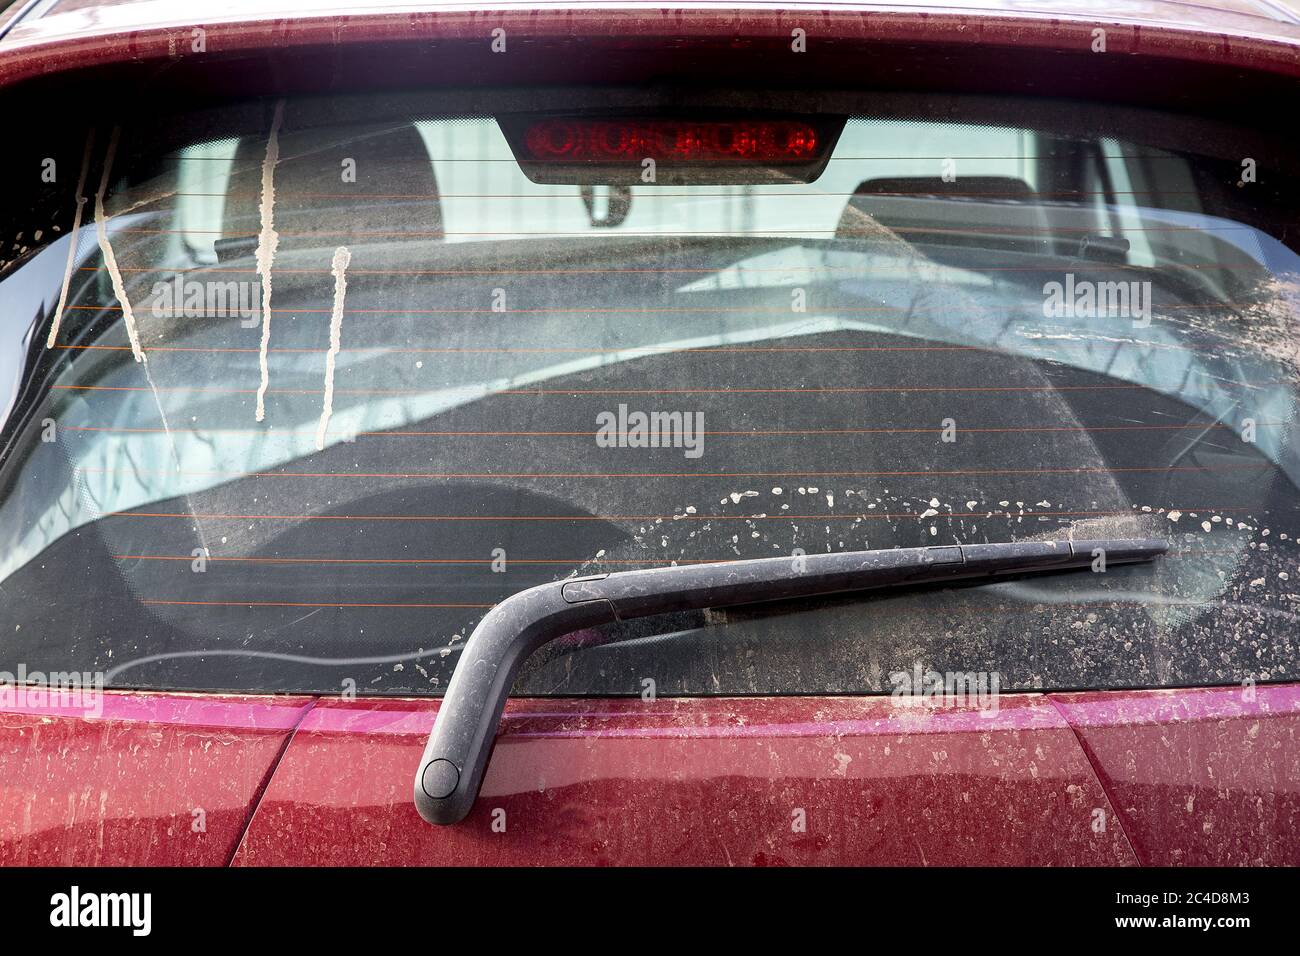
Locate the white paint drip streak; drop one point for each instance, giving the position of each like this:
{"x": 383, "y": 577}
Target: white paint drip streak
{"x": 339, "y": 267}
{"x": 106, "y": 249}
{"x": 267, "y": 242}
{"x": 74, "y": 240}
{"x": 119, "y": 290}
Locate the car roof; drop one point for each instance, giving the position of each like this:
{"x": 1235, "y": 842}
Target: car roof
{"x": 27, "y": 21}
{"x": 41, "y": 38}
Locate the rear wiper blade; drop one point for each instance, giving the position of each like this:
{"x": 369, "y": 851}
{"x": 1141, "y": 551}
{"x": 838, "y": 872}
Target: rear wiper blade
{"x": 451, "y": 770}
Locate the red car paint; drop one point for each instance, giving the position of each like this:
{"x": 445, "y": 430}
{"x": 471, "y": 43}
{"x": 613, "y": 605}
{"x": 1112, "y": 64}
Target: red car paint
{"x": 714, "y": 781}
{"x": 676, "y": 781}
{"x": 1199, "y": 777}
{"x": 308, "y": 42}
{"x": 157, "y": 779}
{"x": 721, "y": 780}
{"x": 618, "y": 781}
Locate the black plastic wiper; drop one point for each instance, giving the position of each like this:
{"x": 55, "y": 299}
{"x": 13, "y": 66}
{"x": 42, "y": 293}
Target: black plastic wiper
{"x": 456, "y": 756}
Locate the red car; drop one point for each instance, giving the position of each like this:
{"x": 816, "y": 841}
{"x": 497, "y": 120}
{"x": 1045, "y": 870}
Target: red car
{"x": 847, "y": 434}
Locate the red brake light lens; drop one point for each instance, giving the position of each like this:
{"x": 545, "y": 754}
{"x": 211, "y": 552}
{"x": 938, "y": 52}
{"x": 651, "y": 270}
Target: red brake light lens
{"x": 621, "y": 141}
{"x": 664, "y": 149}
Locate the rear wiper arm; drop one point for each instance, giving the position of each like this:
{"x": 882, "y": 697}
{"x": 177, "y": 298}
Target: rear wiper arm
{"x": 456, "y": 756}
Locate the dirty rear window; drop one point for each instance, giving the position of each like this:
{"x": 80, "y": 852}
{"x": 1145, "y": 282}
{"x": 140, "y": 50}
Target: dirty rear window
{"x": 302, "y": 388}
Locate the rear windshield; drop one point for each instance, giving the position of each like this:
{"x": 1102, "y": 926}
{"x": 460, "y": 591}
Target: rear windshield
{"x": 302, "y": 388}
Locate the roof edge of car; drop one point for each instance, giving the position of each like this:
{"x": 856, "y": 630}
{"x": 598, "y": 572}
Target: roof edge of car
{"x": 30, "y": 51}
